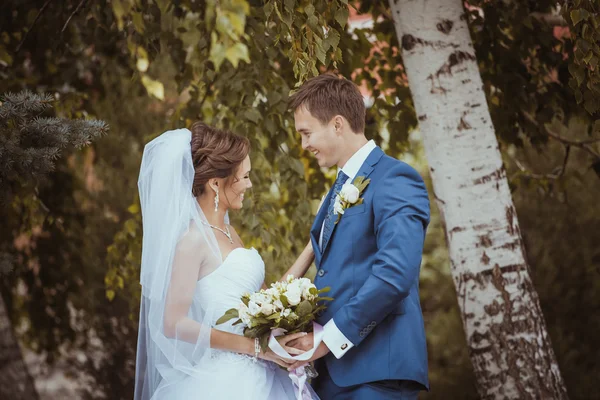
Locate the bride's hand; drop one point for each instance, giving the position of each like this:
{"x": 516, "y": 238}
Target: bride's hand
{"x": 283, "y": 340}
{"x": 270, "y": 356}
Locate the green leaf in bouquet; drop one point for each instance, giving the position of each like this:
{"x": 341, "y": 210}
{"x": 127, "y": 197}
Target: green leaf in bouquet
{"x": 304, "y": 308}
{"x": 261, "y": 320}
{"x": 256, "y": 331}
{"x": 324, "y": 290}
{"x": 307, "y": 318}
{"x": 325, "y": 299}
{"x": 284, "y": 301}
{"x": 264, "y": 342}
{"x": 320, "y": 308}
{"x": 285, "y": 324}
{"x": 246, "y": 300}
{"x": 239, "y": 321}
{"x": 229, "y": 314}
{"x": 313, "y": 291}
{"x": 306, "y": 325}
{"x": 274, "y": 316}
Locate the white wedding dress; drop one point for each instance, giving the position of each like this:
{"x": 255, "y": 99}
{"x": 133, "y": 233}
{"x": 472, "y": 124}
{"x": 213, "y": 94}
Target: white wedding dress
{"x": 187, "y": 285}
{"x": 224, "y": 374}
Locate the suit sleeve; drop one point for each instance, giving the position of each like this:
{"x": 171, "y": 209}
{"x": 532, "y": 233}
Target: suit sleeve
{"x": 401, "y": 216}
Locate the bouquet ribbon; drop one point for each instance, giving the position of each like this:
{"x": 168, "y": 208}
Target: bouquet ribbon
{"x": 298, "y": 376}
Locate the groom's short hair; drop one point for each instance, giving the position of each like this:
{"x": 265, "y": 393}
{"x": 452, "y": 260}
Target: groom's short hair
{"x": 328, "y": 95}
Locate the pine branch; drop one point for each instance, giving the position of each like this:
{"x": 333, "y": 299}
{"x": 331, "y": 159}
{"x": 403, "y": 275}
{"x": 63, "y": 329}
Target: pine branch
{"x": 31, "y": 143}
{"x": 23, "y": 105}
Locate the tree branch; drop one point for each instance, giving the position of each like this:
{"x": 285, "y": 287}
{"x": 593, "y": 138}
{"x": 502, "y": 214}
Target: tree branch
{"x": 71, "y": 16}
{"x": 582, "y": 144}
{"x": 32, "y": 25}
{"x": 554, "y": 175}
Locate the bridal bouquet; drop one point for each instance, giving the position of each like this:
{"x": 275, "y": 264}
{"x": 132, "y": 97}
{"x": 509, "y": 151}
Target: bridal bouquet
{"x": 289, "y": 306}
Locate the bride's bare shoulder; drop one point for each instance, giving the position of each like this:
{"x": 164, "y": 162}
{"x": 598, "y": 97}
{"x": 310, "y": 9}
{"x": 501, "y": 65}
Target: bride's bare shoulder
{"x": 192, "y": 238}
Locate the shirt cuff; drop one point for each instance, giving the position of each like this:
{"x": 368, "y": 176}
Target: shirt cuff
{"x": 335, "y": 340}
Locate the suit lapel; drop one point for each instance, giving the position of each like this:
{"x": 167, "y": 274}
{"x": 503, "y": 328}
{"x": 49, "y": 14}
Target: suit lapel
{"x": 365, "y": 170}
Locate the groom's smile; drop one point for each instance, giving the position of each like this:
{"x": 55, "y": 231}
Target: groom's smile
{"x": 318, "y": 138}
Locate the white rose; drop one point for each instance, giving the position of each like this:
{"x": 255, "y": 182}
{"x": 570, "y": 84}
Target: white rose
{"x": 278, "y": 304}
{"x": 293, "y": 294}
{"x": 305, "y": 282}
{"x": 280, "y": 286}
{"x": 286, "y": 312}
{"x": 259, "y": 298}
{"x": 243, "y": 314}
{"x": 296, "y": 285}
{"x": 253, "y": 308}
{"x": 273, "y": 292}
{"x": 267, "y": 309}
{"x": 306, "y": 286}
{"x": 350, "y": 193}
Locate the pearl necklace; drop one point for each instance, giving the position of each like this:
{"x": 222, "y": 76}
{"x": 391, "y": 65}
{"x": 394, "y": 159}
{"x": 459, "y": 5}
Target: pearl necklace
{"x": 226, "y": 233}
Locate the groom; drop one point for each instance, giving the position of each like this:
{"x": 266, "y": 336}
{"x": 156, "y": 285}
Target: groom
{"x": 374, "y": 340}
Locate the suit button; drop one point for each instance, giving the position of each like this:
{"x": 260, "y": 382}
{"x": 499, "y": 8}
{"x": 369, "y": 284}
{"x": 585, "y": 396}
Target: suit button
{"x": 344, "y": 346}
{"x": 321, "y": 272}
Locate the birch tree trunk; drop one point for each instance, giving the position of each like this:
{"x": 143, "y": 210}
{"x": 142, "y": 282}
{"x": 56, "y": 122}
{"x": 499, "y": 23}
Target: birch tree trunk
{"x": 508, "y": 343}
{"x": 15, "y": 381}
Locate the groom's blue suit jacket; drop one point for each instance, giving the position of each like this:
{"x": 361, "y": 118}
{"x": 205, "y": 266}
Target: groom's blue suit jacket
{"x": 372, "y": 264}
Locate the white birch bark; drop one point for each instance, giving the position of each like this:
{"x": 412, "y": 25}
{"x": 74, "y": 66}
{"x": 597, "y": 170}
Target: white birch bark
{"x": 508, "y": 343}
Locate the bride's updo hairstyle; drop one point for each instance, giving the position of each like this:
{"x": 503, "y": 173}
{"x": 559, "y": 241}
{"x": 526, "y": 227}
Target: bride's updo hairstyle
{"x": 216, "y": 154}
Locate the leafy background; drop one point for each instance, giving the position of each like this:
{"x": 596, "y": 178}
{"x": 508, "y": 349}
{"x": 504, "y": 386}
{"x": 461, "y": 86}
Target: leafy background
{"x": 70, "y": 247}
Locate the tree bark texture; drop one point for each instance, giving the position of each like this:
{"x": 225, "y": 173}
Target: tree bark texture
{"x": 508, "y": 342}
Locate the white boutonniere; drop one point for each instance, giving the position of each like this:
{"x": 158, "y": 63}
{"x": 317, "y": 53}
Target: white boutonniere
{"x": 349, "y": 196}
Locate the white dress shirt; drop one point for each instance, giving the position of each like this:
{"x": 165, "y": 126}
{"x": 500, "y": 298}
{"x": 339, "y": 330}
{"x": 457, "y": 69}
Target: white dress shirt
{"x": 335, "y": 340}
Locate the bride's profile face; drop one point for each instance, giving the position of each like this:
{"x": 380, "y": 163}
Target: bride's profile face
{"x": 234, "y": 193}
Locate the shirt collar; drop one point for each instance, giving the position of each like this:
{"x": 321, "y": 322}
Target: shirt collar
{"x": 357, "y": 160}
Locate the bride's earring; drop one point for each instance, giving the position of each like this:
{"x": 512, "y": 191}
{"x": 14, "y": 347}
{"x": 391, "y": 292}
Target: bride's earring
{"x": 217, "y": 201}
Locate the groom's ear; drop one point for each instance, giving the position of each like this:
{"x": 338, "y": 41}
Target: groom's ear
{"x": 338, "y": 123}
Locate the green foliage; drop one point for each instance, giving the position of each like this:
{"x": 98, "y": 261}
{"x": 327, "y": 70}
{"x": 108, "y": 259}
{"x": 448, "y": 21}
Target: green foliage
{"x": 229, "y": 315}
{"x": 583, "y": 18}
{"x": 77, "y": 263}
{"x": 525, "y": 66}
{"x": 282, "y": 41}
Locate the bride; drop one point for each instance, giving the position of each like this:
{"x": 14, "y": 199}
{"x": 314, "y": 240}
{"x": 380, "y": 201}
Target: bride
{"x": 194, "y": 268}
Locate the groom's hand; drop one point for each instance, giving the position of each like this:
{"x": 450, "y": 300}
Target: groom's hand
{"x": 306, "y": 343}
{"x": 303, "y": 343}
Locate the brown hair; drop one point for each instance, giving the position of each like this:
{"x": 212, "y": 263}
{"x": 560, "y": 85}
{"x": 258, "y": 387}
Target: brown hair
{"x": 328, "y": 95}
{"x": 216, "y": 154}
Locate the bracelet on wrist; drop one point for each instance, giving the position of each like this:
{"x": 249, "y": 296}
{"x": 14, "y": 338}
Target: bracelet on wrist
{"x": 256, "y": 349}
